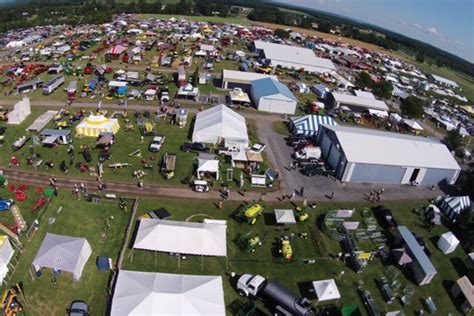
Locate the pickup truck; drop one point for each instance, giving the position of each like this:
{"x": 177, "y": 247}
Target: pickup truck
{"x": 222, "y": 150}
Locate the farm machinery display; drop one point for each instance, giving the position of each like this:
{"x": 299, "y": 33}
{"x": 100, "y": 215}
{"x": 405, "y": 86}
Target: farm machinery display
{"x": 249, "y": 213}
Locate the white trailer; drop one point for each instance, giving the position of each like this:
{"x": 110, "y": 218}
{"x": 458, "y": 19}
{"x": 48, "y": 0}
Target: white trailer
{"x": 53, "y": 85}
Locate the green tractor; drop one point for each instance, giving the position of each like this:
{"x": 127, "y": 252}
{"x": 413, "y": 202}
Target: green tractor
{"x": 249, "y": 242}
{"x": 249, "y": 213}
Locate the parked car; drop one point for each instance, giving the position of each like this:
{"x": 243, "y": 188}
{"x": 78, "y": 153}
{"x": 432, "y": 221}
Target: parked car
{"x": 5, "y": 204}
{"x": 78, "y": 308}
{"x": 258, "y": 147}
{"x": 156, "y": 143}
{"x": 195, "y": 147}
{"x": 385, "y": 217}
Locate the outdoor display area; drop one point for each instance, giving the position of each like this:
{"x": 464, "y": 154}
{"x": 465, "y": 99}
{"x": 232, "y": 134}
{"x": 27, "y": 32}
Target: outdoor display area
{"x": 297, "y": 275}
{"x": 129, "y": 154}
{"x": 103, "y": 225}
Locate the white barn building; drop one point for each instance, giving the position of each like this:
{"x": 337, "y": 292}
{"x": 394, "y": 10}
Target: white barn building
{"x": 371, "y": 156}
{"x": 293, "y": 57}
{"x": 273, "y": 96}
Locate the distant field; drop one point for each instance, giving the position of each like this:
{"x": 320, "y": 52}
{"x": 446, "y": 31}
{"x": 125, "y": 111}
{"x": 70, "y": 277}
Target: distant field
{"x": 215, "y": 19}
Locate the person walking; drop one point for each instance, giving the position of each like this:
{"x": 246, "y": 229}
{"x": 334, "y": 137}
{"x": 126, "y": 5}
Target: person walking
{"x": 292, "y": 196}
{"x": 332, "y": 195}
{"x": 302, "y": 191}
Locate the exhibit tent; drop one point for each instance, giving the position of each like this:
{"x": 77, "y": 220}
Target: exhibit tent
{"x": 447, "y": 243}
{"x": 93, "y": 125}
{"x": 6, "y": 254}
{"x": 326, "y": 290}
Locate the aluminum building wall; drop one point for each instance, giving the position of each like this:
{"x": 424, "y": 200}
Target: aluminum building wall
{"x": 435, "y": 176}
{"x": 377, "y": 174}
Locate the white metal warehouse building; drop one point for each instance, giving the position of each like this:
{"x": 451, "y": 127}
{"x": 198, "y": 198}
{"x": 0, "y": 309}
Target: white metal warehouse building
{"x": 293, "y": 57}
{"x": 273, "y": 96}
{"x": 371, "y": 156}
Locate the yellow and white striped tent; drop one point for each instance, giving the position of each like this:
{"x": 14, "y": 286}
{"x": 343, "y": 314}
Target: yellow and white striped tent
{"x": 93, "y": 125}
{"x": 6, "y": 254}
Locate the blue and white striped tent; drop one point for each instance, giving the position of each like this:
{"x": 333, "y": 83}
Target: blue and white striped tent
{"x": 454, "y": 206}
{"x": 309, "y": 124}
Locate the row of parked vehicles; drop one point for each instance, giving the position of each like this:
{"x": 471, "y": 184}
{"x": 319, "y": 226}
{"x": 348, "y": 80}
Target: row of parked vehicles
{"x": 308, "y": 157}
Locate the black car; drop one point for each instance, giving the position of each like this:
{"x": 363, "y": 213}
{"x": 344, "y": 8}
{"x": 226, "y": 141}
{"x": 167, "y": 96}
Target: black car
{"x": 312, "y": 169}
{"x": 196, "y": 147}
{"x": 385, "y": 217}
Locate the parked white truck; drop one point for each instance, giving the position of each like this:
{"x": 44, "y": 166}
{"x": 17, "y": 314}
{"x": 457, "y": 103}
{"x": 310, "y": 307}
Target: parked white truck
{"x": 285, "y": 302}
{"x": 52, "y": 85}
{"x": 308, "y": 153}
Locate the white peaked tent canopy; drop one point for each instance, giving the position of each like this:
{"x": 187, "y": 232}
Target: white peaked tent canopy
{"x": 6, "y": 254}
{"x": 284, "y": 216}
{"x": 219, "y": 123}
{"x": 208, "y": 166}
{"x": 149, "y": 293}
{"x": 207, "y": 239}
{"x": 63, "y": 253}
{"x": 447, "y": 243}
{"x": 326, "y": 290}
{"x": 93, "y": 125}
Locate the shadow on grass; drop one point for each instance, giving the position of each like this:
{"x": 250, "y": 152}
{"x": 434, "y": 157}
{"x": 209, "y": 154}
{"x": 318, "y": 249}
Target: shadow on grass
{"x": 459, "y": 266}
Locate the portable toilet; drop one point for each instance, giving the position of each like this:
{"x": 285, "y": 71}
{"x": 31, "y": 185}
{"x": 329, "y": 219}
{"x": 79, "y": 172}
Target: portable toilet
{"x": 181, "y": 117}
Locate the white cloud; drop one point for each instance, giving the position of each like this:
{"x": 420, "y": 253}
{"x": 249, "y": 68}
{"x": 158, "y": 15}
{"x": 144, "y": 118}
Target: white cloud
{"x": 430, "y": 30}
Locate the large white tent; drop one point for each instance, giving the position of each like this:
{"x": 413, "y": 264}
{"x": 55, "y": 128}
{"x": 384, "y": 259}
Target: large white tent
{"x": 93, "y": 125}
{"x": 6, "y": 254}
{"x": 218, "y": 123}
{"x": 63, "y": 253}
{"x": 326, "y": 290}
{"x": 208, "y": 239}
{"x": 149, "y": 293}
{"x": 447, "y": 243}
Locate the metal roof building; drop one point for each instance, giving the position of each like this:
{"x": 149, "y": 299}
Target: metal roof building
{"x": 356, "y": 103}
{"x": 443, "y": 81}
{"x": 421, "y": 266}
{"x": 241, "y": 79}
{"x": 372, "y": 156}
{"x": 293, "y": 57}
{"x": 273, "y": 96}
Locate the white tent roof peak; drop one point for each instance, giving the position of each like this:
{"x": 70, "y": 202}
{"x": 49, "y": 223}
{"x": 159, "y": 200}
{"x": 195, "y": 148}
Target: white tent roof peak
{"x": 148, "y": 293}
{"x": 218, "y": 123}
{"x": 208, "y": 239}
{"x": 326, "y": 290}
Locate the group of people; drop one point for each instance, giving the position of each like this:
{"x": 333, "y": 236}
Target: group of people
{"x": 375, "y": 195}
{"x": 78, "y": 189}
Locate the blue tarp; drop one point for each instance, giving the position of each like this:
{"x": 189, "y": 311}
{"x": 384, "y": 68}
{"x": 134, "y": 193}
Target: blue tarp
{"x": 122, "y": 90}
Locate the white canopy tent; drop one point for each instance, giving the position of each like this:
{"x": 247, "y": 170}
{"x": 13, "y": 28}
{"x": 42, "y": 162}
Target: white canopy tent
{"x": 6, "y": 254}
{"x": 63, "y": 253}
{"x": 149, "y": 293}
{"x": 208, "y": 166}
{"x": 219, "y": 123}
{"x": 208, "y": 239}
{"x": 326, "y": 290}
{"x": 447, "y": 243}
{"x": 21, "y": 110}
{"x": 284, "y": 216}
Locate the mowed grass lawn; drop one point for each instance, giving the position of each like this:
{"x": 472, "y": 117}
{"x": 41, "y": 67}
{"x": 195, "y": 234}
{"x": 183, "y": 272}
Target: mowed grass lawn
{"x": 125, "y": 144}
{"x": 318, "y": 246}
{"x": 77, "y": 219}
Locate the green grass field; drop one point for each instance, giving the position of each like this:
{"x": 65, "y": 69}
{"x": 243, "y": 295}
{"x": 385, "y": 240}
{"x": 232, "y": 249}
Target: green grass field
{"x": 296, "y": 275}
{"x": 126, "y": 143}
{"x": 84, "y": 219}
{"x": 78, "y": 219}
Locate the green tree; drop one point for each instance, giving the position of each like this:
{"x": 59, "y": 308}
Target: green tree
{"x": 420, "y": 58}
{"x": 383, "y": 89}
{"x": 412, "y": 107}
{"x": 453, "y": 139}
{"x": 281, "y": 33}
{"x": 468, "y": 183}
{"x": 363, "y": 80}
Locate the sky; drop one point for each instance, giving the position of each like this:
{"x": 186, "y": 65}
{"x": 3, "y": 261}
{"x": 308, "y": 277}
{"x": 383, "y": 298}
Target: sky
{"x": 446, "y": 24}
